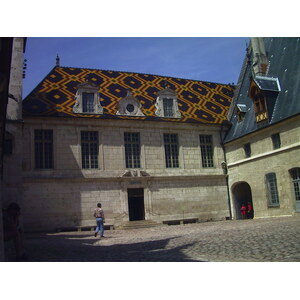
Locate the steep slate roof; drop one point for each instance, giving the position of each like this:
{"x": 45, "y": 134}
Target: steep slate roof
{"x": 198, "y": 101}
{"x": 284, "y": 63}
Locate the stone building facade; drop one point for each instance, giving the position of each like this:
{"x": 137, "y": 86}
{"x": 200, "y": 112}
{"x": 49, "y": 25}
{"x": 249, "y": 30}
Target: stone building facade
{"x": 158, "y": 148}
{"x": 68, "y": 194}
{"x": 147, "y": 147}
{"x": 263, "y": 145}
{"x": 12, "y": 160}
{"x": 12, "y": 51}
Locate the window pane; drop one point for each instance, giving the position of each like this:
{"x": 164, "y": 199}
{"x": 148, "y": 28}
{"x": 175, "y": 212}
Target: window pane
{"x": 272, "y": 189}
{"x": 132, "y": 149}
{"x": 295, "y": 174}
{"x": 168, "y": 107}
{"x": 171, "y": 150}
{"x": 247, "y": 150}
{"x": 43, "y": 148}
{"x": 207, "y": 154}
{"x": 276, "y": 141}
{"x": 87, "y": 102}
{"x": 89, "y": 149}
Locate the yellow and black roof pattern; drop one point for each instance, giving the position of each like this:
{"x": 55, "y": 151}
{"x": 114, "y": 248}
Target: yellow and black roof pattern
{"x": 198, "y": 101}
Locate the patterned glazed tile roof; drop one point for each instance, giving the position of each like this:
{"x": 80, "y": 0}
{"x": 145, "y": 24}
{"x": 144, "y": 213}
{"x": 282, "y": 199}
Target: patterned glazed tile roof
{"x": 198, "y": 101}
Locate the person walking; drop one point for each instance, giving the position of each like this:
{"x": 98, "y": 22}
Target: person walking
{"x": 100, "y": 219}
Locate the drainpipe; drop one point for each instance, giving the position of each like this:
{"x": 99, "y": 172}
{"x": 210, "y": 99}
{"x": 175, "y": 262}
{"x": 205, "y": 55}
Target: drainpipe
{"x": 225, "y": 170}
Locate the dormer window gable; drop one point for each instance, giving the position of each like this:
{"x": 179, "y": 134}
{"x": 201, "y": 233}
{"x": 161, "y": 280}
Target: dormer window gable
{"x": 87, "y": 100}
{"x": 266, "y": 83}
{"x": 263, "y": 91}
{"x": 167, "y": 104}
{"x": 259, "y": 101}
{"x": 241, "y": 110}
{"x": 129, "y": 106}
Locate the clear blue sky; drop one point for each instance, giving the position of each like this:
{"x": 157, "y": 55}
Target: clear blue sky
{"x": 200, "y": 58}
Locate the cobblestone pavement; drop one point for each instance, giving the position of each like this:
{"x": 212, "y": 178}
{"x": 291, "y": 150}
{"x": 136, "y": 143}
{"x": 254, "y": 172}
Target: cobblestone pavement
{"x": 258, "y": 240}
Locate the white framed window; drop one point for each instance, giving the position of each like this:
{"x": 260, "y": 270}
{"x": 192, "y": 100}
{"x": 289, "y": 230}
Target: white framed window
{"x": 89, "y": 149}
{"x": 295, "y": 175}
{"x": 273, "y": 198}
{"x": 167, "y": 104}
{"x": 87, "y": 100}
{"x": 207, "y": 151}
{"x": 43, "y": 149}
{"x": 132, "y": 149}
{"x": 171, "y": 146}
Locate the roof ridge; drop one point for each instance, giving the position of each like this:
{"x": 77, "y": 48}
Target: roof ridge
{"x": 94, "y": 69}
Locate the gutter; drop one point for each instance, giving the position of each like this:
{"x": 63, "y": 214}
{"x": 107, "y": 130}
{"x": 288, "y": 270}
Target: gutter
{"x": 225, "y": 170}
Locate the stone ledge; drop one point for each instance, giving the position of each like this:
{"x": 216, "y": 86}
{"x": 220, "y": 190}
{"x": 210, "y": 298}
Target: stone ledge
{"x": 181, "y": 221}
{"x": 84, "y": 228}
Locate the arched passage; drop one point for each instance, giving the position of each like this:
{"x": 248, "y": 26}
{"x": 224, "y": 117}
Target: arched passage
{"x": 242, "y": 196}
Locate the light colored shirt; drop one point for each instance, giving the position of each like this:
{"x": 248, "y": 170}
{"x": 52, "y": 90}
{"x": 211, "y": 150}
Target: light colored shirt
{"x": 98, "y": 213}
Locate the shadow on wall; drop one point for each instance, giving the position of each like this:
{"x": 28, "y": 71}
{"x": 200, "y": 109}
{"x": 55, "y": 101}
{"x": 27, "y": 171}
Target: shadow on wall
{"x": 66, "y": 195}
{"x": 52, "y": 197}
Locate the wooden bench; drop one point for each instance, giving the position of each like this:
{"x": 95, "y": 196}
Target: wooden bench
{"x": 181, "y": 221}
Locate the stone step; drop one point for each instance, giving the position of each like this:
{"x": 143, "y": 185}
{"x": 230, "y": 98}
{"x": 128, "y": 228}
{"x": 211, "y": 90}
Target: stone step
{"x": 139, "y": 224}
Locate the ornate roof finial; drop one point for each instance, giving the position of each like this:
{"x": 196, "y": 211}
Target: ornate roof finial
{"x": 166, "y": 84}
{"x": 128, "y": 92}
{"x": 57, "y": 61}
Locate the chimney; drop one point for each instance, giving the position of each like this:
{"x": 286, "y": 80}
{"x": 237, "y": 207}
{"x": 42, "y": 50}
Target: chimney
{"x": 260, "y": 61}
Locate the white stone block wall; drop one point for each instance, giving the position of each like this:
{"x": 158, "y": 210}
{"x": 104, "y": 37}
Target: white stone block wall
{"x": 66, "y": 195}
{"x": 193, "y": 198}
{"x": 52, "y": 204}
{"x": 264, "y": 159}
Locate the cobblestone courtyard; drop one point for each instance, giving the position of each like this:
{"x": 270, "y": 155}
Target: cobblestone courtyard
{"x": 261, "y": 240}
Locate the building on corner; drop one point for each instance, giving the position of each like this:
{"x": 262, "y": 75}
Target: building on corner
{"x": 263, "y": 144}
{"x": 147, "y": 147}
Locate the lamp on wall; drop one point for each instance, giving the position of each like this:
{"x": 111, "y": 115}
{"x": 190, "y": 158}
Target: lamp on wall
{"x": 224, "y": 167}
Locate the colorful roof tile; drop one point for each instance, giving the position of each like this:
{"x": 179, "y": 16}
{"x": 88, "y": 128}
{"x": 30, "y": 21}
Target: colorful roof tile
{"x": 198, "y": 101}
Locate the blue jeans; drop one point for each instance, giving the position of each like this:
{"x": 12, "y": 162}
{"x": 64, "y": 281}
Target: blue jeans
{"x": 100, "y": 226}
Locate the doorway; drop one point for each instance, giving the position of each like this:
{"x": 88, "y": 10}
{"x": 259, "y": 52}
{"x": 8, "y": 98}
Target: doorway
{"x": 242, "y": 195}
{"x": 136, "y": 205}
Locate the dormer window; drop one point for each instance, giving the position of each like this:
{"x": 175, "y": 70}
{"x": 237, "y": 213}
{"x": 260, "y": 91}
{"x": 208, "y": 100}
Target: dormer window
{"x": 87, "y": 99}
{"x": 263, "y": 92}
{"x": 167, "y": 104}
{"x": 241, "y": 110}
{"x": 129, "y": 106}
{"x": 168, "y": 107}
{"x": 259, "y": 101}
{"x": 88, "y": 102}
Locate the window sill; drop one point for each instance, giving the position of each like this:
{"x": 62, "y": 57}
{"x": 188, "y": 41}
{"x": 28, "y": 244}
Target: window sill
{"x": 273, "y": 205}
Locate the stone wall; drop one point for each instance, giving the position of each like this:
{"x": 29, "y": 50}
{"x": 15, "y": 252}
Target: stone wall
{"x": 264, "y": 159}
{"x": 67, "y": 194}
{"x": 12, "y": 171}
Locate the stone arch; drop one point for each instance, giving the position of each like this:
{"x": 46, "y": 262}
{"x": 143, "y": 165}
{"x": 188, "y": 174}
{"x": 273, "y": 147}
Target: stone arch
{"x": 242, "y": 194}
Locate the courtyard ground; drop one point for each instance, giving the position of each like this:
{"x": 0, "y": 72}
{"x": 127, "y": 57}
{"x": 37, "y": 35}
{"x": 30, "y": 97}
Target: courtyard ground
{"x": 258, "y": 240}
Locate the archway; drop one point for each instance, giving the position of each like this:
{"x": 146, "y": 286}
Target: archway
{"x": 242, "y": 196}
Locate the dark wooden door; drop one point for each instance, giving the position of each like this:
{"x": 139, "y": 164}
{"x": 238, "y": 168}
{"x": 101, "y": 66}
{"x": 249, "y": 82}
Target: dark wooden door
{"x": 136, "y": 204}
